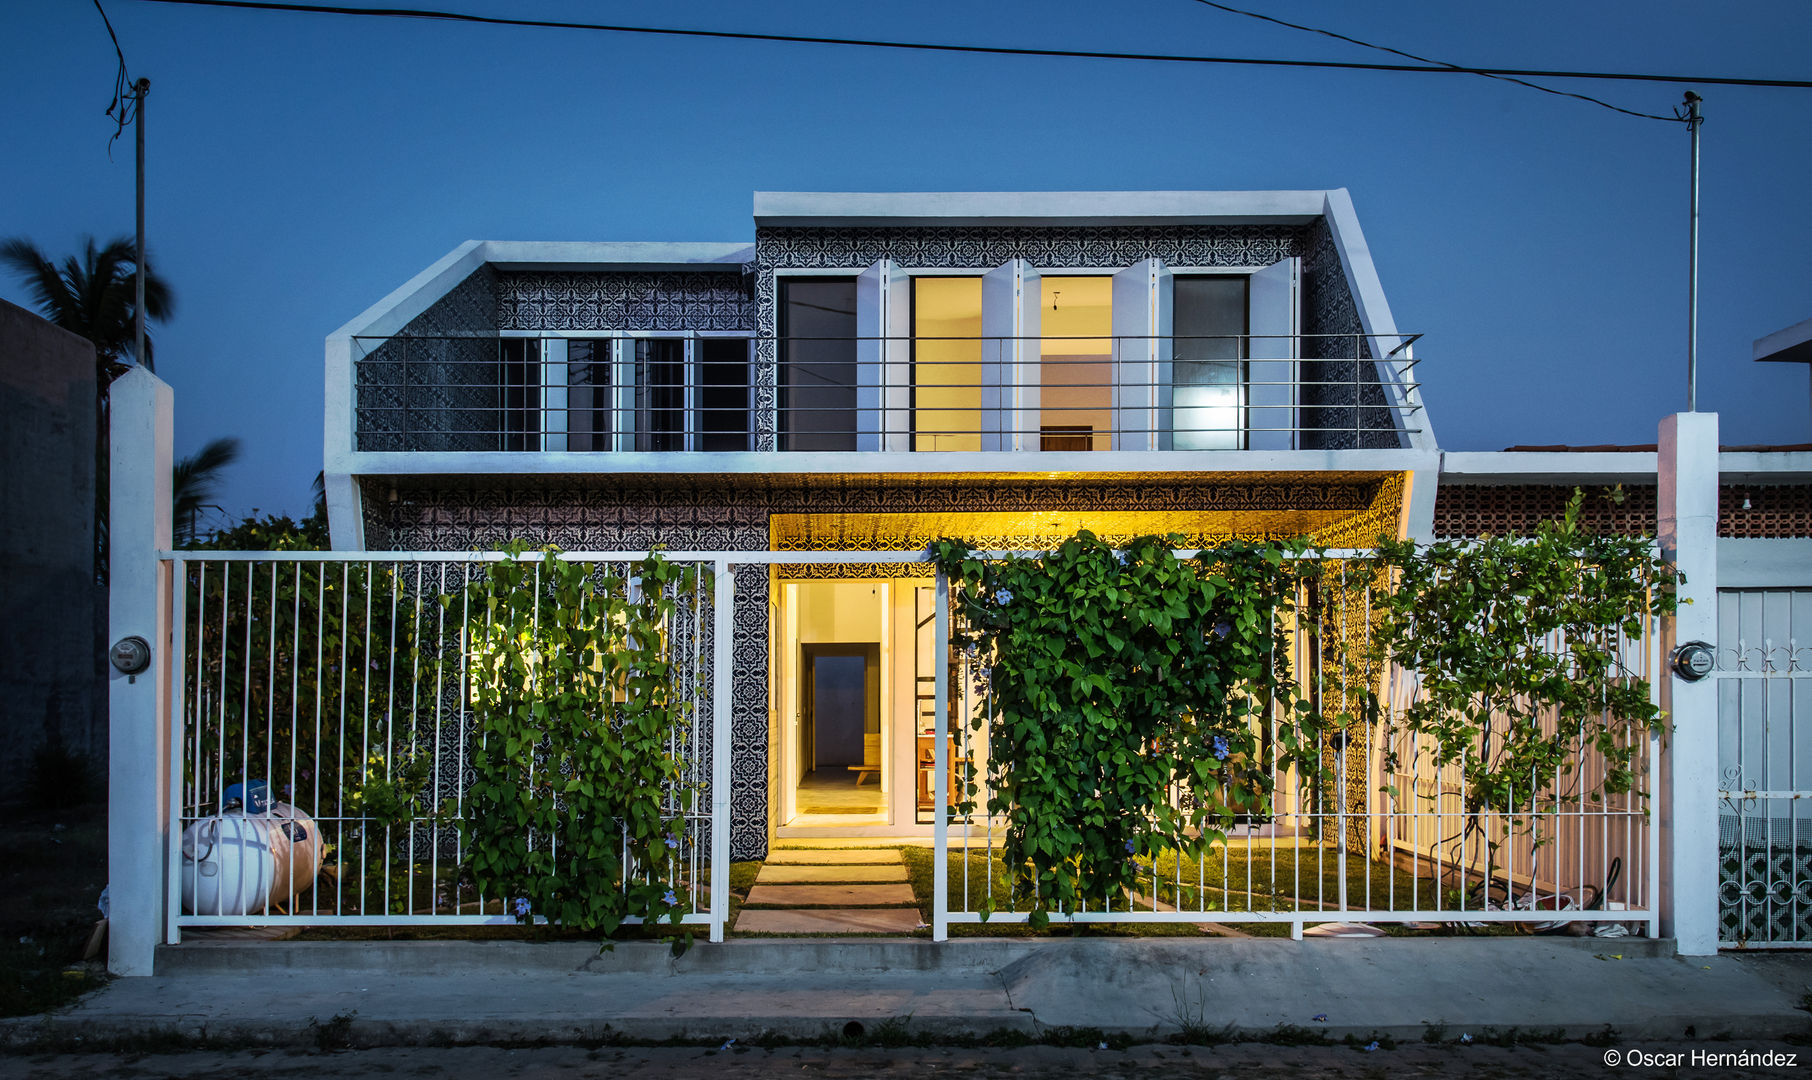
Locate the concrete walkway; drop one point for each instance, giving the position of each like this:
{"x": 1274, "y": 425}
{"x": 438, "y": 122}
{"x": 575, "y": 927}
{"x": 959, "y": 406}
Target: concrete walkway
{"x": 830, "y": 891}
{"x": 413, "y": 993}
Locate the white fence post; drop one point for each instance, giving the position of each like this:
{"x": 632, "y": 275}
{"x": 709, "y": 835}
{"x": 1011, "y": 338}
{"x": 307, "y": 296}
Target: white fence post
{"x": 723, "y": 631}
{"x": 138, "y": 799}
{"x": 1687, "y": 523}
{"x": 940, "y": 763}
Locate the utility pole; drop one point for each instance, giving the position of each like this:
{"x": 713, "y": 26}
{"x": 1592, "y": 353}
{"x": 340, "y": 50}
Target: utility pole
{"x": 1693, "y": 121}
{"x": 139, "y": 89}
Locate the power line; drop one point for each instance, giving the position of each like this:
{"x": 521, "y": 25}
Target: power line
{"x": 992, "y": 50}
{"x": 122, "y": 110}
{"x": 1438, "y": 63}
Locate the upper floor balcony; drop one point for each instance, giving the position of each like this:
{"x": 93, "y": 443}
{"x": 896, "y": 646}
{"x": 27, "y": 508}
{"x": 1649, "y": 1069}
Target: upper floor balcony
{"x": 717, "y": 393}
{"x": 897, "y": 333}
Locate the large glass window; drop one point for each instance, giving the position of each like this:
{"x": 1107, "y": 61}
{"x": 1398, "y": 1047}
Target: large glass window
{"x": 818, "y": 363}
{"x": 946, "y": 363}
{"x": 518, "y": 425}
{"x": 588, "y": 404}
{"x": 723, "y": 403}
{"x": 660, "y": 394}
{"x": 1208, "y": 366}
{"x": 1076, "y": 363}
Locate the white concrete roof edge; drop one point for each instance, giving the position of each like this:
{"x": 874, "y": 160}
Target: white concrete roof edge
{"x": 1503, "y": 466}
{"x": 1791, "y": 338}
{"x": 416, "y": 295}
{"x": 591, "y": 253}
{"x": 777, "y": 206}
{"x": 1374, "y": 310}
{"x": 1559, "y": 466}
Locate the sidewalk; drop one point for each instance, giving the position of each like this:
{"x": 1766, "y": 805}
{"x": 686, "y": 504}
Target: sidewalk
{"x": 431, "y": 993}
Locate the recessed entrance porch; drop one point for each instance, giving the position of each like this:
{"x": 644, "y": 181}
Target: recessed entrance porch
{"x": 852, "y": 656}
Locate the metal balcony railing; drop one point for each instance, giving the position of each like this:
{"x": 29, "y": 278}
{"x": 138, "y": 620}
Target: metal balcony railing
{"x": 624, "y": 393}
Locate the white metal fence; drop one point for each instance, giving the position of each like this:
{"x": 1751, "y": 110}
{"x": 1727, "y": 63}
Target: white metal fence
{"x": 309, "y": 671}
{"x": 1350, "y": 838}
{"x": 323, "y": 677}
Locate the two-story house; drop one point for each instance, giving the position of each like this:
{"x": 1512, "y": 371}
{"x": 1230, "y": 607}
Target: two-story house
{"x": 870, "y": 373}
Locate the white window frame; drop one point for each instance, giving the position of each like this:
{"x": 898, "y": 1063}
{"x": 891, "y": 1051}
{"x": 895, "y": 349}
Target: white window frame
{"x": 551, "y": 396}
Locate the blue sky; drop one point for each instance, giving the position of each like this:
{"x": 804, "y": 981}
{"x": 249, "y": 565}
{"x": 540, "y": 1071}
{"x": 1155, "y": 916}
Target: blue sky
{"x": 302, "y": 167}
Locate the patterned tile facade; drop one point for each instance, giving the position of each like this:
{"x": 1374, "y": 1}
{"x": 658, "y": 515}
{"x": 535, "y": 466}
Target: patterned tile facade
{"x": 624, "y": 300}
{"x": 1328, "y": 306}
{"x": 435, "y": 385}
{"x": 1765, "y": 510}
{"x": 1468, "y": 510}
{"x": 601, "y": 512}
{"x": 1773, "y": 511}
{"x": 1344, "y": 405}
{"x": 440, "y": 391}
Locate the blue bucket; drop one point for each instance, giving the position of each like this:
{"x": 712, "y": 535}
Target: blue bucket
{"x": 253, "y": 797}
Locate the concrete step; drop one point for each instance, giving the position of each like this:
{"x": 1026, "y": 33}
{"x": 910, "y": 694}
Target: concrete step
{"x": 832, "y": 856}
{"x": 827, "y": 921}
{"x": 866, "y": 872}
{"x": 831, "y": 895}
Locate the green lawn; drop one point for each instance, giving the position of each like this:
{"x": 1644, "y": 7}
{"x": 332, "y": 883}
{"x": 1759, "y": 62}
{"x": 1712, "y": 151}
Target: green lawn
{"x": 1264, "y": 876}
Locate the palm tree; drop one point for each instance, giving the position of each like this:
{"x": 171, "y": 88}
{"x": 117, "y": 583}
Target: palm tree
{"x": 193, "y": 482}
{"x": 94, "y": 295}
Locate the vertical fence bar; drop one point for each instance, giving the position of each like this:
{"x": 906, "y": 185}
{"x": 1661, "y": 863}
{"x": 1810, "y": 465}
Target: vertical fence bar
{"x": 940, "y": 760}
{"x": 1652, "y": 886}
{"x": 723, "y": 627}
{"x": 179, "y": 632}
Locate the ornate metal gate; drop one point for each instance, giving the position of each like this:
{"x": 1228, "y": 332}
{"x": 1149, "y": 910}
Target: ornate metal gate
{"x": 1765, "y": 767}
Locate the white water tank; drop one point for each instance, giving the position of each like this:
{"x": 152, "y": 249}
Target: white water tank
{"x": 242, "y": 864}
{"x": 227, "y": 865}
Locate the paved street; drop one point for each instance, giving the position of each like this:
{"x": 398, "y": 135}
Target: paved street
{"x": 1243, "y": 1061}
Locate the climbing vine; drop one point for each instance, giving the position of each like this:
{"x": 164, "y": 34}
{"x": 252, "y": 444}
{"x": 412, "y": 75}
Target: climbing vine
{"x": 1523, "y": 674}
{"x": 1127, "y": 704}
{"x": 577, "y": 809}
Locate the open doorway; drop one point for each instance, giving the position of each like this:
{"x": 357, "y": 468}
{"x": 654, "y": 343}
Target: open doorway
{"x": 835, "y": 678}
{"x": 840, "y": 730}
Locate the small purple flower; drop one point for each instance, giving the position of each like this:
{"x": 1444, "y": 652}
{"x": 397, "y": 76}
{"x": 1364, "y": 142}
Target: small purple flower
{"x": 1130, "y": 848}
{"x": 670, "y": 899}
{"x": 522, "y": 907}
{"x": 672, "y": 843}
{"x": 1219, "y": 746}
{"x": 1005, "y": 596}
{"x": 1222, "y": 629}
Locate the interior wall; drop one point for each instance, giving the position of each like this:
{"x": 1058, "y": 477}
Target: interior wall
{"x": 838, "y": 611}
{"x": 1076, "y": 371}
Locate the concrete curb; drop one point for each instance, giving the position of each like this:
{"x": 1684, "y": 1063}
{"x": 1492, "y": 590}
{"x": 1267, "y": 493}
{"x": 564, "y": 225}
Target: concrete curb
{"x": 742, "y": 956}
{"x": 314, "y": 994}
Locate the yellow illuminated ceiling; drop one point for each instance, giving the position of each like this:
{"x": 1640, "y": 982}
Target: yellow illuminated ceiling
{"x": 1345, "y": 522}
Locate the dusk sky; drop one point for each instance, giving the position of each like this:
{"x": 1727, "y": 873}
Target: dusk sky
{"x": 301, "y": 167}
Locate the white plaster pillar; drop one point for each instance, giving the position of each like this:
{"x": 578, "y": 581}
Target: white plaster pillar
{"x": 1419, "y": 506}
{"x": 1687, "y": 524}
{"x": 138, "y": 805}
